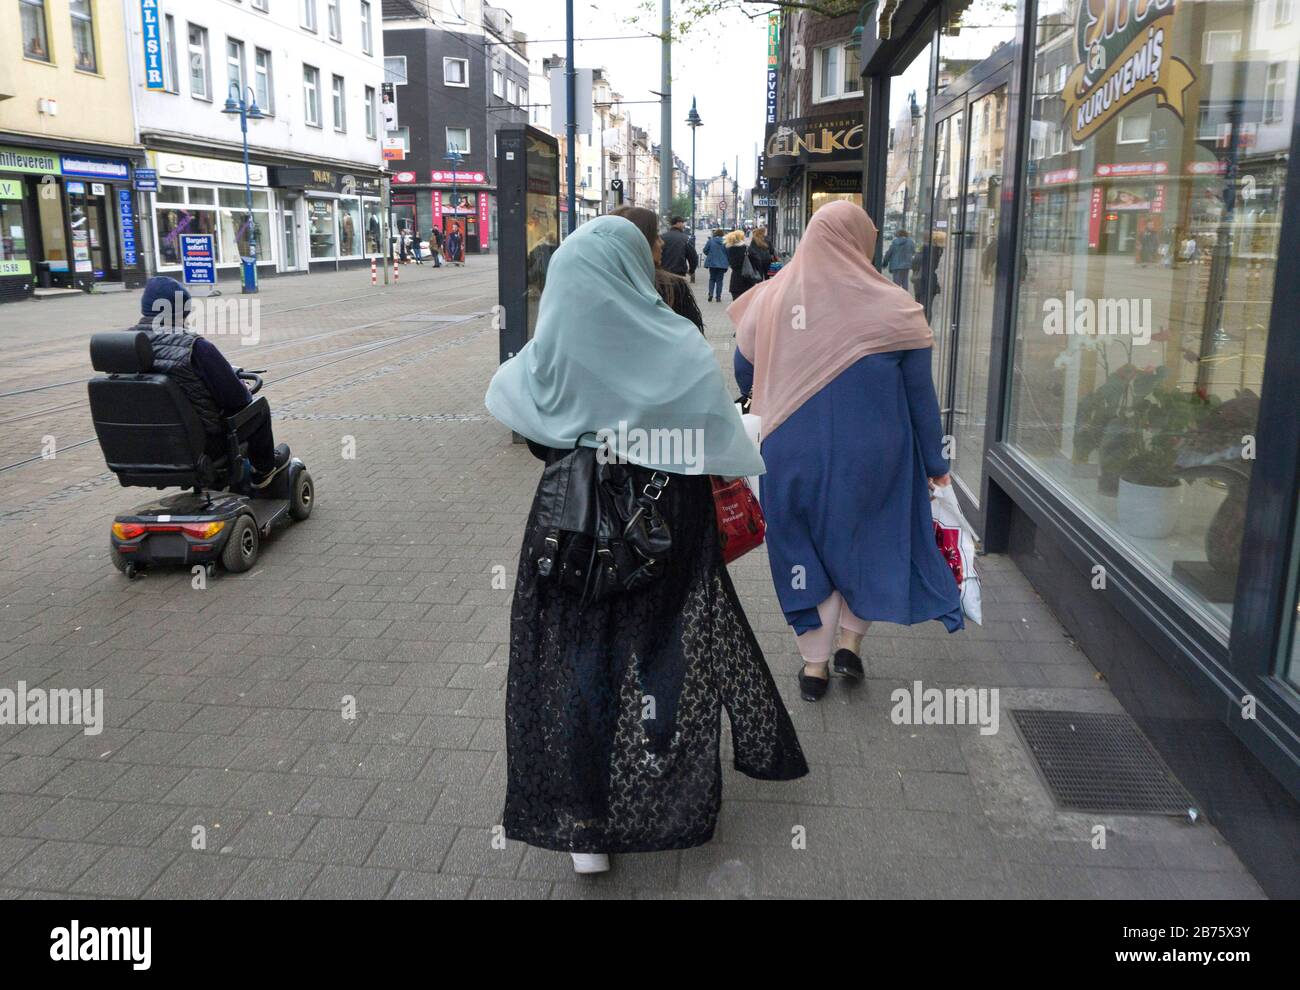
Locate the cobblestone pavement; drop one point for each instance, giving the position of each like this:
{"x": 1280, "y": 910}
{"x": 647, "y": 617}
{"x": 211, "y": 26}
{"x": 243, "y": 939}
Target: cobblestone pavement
{"x": 223, "y": 706}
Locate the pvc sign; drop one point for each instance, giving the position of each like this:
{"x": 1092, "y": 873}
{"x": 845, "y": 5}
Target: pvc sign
{"x": 153, "y": 54}
{"x": 127, "y": 214}
{"x": 198, "y": 261}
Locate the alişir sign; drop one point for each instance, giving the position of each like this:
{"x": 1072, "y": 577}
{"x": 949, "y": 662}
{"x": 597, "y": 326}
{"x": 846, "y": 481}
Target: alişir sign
{"x": 1122, "y": 49}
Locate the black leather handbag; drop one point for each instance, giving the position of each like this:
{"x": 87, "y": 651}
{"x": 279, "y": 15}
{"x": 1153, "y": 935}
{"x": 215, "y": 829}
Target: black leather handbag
{"x": 600, "y": 530}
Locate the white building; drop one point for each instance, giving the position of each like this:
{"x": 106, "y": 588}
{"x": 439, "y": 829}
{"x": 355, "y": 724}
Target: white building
{"x": 315, "y": 69}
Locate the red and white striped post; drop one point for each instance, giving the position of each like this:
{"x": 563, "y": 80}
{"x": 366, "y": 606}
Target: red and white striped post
{"x": 396, "y": 273}
{"x": 374, "y": 271}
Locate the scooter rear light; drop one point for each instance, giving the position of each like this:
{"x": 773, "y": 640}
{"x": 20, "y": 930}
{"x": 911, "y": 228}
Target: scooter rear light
{"x": 202, "y": 531}
{"x": 127, "y": 531}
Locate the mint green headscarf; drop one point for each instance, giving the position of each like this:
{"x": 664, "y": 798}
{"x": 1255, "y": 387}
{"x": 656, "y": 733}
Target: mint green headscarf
{"x": 610, "y": 356}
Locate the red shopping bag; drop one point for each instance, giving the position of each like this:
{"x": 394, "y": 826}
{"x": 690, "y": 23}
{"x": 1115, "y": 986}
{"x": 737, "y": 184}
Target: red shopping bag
{"x": 740, "y": 520}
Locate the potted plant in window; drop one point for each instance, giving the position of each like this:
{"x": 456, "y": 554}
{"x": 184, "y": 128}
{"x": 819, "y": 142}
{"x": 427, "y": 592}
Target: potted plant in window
{"x": 1150, "y": 488}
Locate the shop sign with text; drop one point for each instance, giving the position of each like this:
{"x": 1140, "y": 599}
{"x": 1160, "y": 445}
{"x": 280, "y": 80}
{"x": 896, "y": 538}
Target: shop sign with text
{"x": 814, "y": 141}
{"x": 1121, "y": 49}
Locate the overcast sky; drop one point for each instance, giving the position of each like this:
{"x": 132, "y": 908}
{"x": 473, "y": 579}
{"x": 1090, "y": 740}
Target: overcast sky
{"x": 723, "y": 65}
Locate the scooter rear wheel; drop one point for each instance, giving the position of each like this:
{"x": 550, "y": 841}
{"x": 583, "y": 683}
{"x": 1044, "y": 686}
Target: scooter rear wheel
{"x": 242, "y": 546}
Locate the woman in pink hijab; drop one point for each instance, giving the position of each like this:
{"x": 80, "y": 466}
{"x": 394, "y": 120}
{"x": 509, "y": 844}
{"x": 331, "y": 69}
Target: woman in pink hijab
{"x": 836, "y": 359}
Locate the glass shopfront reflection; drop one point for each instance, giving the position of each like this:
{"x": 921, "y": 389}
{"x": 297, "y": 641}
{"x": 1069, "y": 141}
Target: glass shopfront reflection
{"x": 1150, "y": 234}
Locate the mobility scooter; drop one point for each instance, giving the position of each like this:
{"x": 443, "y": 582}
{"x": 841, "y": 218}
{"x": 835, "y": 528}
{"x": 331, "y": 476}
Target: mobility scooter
{"x": 152, "y": 437}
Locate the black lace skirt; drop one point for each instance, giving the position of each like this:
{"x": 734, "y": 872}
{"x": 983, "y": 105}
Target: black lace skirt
{"x": 613, "y": 712}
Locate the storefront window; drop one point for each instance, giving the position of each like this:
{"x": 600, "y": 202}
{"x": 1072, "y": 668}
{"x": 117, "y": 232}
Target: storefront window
{"x": 235, "y": 227}
{"x": 320, "y": 221}
{"x": 50, "y": 211}
{"x": 972, "y": 31}
{"x": 1150, "y": 240}
{"x": 1290, "y": 660}
{"x": 373, "y": 214}
{"x": 349, "y": 227}
{"x": 13, "y": 236}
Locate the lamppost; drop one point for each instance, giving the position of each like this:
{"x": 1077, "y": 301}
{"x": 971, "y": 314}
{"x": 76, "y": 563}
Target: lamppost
{"x": 693, "y": 121}
{"x": 453, "y": 157}
{"x": 247, "y": 110}
{"x": 722, "y": 200}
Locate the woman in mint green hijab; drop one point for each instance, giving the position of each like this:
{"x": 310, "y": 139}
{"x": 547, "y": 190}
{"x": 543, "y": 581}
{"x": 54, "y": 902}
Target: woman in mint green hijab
{"x": 613, "y": 710}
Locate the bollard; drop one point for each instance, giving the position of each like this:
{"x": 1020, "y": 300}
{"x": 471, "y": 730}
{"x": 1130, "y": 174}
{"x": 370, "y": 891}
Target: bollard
{"x": 374, "y": 271}
{"x": 395, "y": 271}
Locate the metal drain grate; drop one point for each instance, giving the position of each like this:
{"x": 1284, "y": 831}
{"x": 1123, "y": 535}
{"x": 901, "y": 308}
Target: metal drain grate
{"x": 1099, "y": 763}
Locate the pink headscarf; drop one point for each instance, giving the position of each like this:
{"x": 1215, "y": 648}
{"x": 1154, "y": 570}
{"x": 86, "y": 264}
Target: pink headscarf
{"x": 826, "y": 308}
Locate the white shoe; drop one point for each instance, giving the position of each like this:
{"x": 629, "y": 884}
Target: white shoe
{"x": 590, "y": 863}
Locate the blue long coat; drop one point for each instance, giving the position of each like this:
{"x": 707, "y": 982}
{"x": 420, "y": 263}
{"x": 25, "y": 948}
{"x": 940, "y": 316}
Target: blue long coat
{"x": 715, "y": 253}
{"x": 846, "y": 497}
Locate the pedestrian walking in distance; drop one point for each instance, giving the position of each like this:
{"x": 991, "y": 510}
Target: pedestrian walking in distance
{"x": 673, "y": 288}
{"x": 761, "y": 254}
{"x": 613, "y": 709}
{"x": 898, "y": 259}
{"x": 679, "y": 255}
{"x": 715, "y": 260}
{"x": 851, "y": 433}
{"x": 743, "y": 276}
{"x": 435, "y": 246}
{"x": 416, "y": 247}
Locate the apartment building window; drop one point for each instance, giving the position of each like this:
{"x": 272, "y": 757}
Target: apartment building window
{"x": 455, "y": 72}
{"x": 1220, "y": 46}
{"x": 171, "y": 83}
{"x": 498, "y": 84}
{"x": 235, "y": 68}
{"x": 198, "y": 49}
{"x": 340, "y": 105}
{"x": 335, "y": 20}
{"x": 263, "y": 83}
{"x": 1134, "y": 129}
{"x": 523, "y": 96}
{"x": 83, "y": 35}
{"x": 311, "y": 95}
{"x": 395, "y": 69}
{"x": 309, "y": 14}
{"x": 458, "y": 139}
{"x": 36, "y": 34}
{"x": 1275, "y": 93}
{"x": 1282, "y": 12}
{"x": 367, "y": 37}
{"x": 369, "y": 106}
{"x": 262, "y": 5}
{"x": 835, "y": 72}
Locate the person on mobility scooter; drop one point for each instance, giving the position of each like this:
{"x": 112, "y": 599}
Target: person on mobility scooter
{"x": 170, "y": 410}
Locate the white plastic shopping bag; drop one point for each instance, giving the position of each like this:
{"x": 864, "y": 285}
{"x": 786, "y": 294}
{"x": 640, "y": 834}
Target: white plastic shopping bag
{"x": 753, "y": 428}
{"x": 956, "y": 542}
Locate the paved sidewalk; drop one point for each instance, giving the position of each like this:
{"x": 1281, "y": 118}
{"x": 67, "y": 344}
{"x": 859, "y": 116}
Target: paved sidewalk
{"x": 224, "y": 705}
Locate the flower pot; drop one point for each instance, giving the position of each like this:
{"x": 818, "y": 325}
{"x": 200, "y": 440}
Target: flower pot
{"x": 1148, "y": 512}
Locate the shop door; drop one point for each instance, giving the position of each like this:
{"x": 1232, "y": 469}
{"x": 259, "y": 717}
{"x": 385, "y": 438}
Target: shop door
{"x": 290, "y": 242}
{"x": 93, "y": 239}
{"x": 962, "y": 269}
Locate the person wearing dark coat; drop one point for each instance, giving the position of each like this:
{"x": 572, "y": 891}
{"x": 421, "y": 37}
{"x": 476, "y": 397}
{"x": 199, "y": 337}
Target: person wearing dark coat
{"x": 715, "y": 260}
{"x": 761, "y": 254}
{"x": 737, "y": 252}
{"x": 925, "y": 270}
{"x": 204, "y": 374}
{"x": 435, "y": 246}
{"x": 679, "y": 250}
{"x": 672, "y": 288}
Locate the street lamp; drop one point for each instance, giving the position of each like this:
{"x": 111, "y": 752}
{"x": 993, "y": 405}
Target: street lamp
{"x": 247, "y": 110}
{"x": 693, "y": 121}
{"x": 722, "y": 200}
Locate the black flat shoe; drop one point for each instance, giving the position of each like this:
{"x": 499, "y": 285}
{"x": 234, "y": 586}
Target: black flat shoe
{"x": 812, "y": 688}
{"x": 848, "y": 664}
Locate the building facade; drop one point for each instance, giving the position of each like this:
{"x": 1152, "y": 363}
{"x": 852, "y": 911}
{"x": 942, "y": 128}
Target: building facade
{"x": 314, "y": 70}
{"x": 457, "y": 73}
{"x": 813, "y": 143}
{"x": 69, "y": 216}
{"x": 1106, "y": 207}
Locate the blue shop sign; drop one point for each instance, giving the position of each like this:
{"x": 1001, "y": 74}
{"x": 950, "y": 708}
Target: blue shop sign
{"x": 127, "y": 213}
{"x": 153, "y": 51}
{"x": 146, "y": 179}
{"x": 95, "y": 168}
